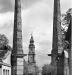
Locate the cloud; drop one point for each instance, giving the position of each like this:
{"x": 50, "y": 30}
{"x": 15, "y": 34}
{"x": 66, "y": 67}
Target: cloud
{"x": 6, "y": 5}
{"x": 29, "y": 3}
{"x": 65, "y": 5}
{"x": 6, "y": 25}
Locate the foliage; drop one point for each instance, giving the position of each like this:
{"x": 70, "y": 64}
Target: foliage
{"x": 66, "y": 19}
{"x": 4, "y": 42}
{"x": 66, "y": 28}
{"x": 46, "y": 69}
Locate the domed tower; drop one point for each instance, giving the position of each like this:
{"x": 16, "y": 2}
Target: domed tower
{"x": 31, "y": 54}
{"x": 32, "y": 67}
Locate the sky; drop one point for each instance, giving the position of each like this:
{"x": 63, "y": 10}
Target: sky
{"x": 37, "y": 18}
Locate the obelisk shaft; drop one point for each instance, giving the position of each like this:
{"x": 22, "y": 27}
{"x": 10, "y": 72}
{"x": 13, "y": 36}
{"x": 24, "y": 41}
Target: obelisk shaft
{"x": 17, "y": 52}
{"x": 57, "y": 48}
{"x": 57, "y": 35}
{"x": 17, "y": 35}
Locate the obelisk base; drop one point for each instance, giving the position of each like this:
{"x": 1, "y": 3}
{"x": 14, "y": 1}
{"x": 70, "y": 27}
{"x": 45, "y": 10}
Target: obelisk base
{"x": 18, "y": 65}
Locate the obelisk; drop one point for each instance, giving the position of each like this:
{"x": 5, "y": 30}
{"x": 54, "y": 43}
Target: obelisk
{"x": 57, "y": 47}
{"x": 17, "y": 52}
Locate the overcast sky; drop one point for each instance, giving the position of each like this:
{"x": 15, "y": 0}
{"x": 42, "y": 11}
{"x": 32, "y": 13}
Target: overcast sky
{"x": 37, "y": 18}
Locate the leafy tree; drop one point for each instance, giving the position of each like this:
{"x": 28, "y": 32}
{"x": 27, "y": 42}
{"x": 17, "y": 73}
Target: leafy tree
{"x": 4, "y": 42}
{"x": 67, "y": 30}
{"x": 66, "y": 19}
{"x": 46, "y": 69}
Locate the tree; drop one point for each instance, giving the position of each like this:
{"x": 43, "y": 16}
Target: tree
{"x": 4, "y": 42}
{"x": 67, "y": 30}
{"x": 46, "y": 69}
{"x": 66, "y": 19}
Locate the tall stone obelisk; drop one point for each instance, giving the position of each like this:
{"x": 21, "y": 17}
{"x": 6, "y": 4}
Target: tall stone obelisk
{"x": 57, "y": 47}
{"x": 17, "y": 52}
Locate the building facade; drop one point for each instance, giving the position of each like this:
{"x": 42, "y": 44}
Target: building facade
{"x": 5, "y": 62}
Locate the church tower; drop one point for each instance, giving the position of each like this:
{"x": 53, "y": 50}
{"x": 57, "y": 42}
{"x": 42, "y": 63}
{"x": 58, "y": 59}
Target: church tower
{"x": 31, "y": 54}
{"x": 32, "y": 68}
{"x": 17, "y": 52}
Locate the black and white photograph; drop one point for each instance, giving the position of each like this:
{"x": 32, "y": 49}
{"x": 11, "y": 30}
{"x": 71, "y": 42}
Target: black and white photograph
{"x": 35, "y": 37}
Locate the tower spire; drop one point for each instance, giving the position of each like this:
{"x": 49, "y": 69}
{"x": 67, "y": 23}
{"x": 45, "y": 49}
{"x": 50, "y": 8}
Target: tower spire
{"x": 31, "y": 39}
